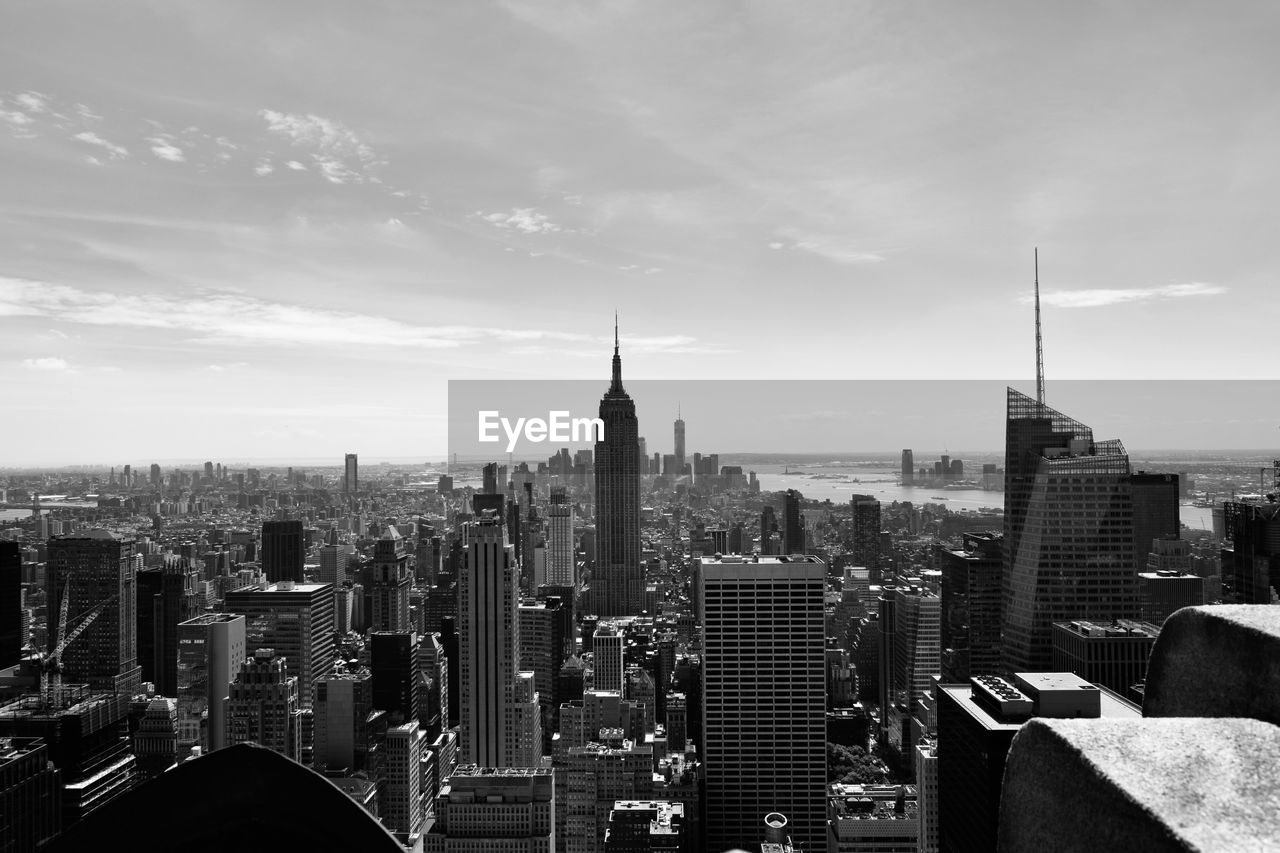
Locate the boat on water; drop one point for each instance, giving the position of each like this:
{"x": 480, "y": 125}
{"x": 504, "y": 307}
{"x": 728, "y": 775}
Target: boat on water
{"x": 939, "y": 498}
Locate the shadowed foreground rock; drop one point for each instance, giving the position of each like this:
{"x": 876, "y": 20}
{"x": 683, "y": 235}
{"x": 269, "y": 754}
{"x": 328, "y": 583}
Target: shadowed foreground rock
{"x": 1216, "y": 661}
{"x": 1150, "y": 785}
{"x": 241, "y": 799}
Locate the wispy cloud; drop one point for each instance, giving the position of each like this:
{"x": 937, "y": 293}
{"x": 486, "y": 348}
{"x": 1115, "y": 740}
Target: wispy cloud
{"x": 47, "y": 363}
{"x": 163, "y": 147}
{"x": 116, "y": 151}
{"x": 527, "y": 220}
{"x": 33, "y": 101}
{"x": 264, "y": 167}
{"x": 340, "y": 155}
{"x": 1098, "y": 298}
{"x": 222, "y": 318}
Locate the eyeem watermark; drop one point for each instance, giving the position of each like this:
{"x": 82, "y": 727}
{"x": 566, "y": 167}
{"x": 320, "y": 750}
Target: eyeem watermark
{"x": 557, "y": 428}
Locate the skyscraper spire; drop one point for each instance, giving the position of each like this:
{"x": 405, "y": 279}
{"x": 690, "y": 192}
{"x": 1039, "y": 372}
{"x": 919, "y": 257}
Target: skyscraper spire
{"x": 615, "y": 387}
{"x": 1039, "y": 347}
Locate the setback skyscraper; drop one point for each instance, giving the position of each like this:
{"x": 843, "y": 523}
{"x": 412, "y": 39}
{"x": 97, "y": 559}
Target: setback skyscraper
{"x": 617, "y": 581}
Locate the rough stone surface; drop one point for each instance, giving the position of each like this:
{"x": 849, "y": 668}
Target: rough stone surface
{"x": 1216, "y": 661}
{"x": 243, "y": 798}
{"x": 1072, "y": 786}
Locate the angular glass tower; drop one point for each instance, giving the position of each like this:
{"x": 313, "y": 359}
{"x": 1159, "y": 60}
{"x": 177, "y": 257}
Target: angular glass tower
{"x": 1068, "y": 531}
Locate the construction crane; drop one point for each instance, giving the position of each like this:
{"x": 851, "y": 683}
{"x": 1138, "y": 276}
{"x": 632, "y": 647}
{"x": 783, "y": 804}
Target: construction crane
{"x": 51, "y": 663}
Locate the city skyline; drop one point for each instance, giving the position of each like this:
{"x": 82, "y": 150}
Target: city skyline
{"x": 295, "y": 212}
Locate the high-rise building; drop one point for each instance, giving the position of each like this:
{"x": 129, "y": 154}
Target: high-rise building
{"x": 12, "y": 633}
{"x": 976, "y": 724}
{"x": 333, "y": 563}
{"x": 343, "y": 709}
{"x": 155, "y": 741}
{"x": 167, "y": 594}
{"x": 92, "y": 569}
{"x": 617, "y": 581}
{"x": 866, "y": 533}
{"x": 295, "y": 619}
{"x": 1251, "y": 567}
{"x": 542, "y": 652}
{"x": 155, "y": 474}
{"x": 769, "y": 545}
{"x": 792, "y": 523}
{"x": 908, "y": 468}
{"x": 679, "y": 446}
{"x": 211, "y": 650}
{"x": 598, "y": 775}
{"x": 489, "y": 637}
{"x": 283, "y": 550}
{"x": 400, "y": 803}
{"x": 970, "y": 621}
{"x": 561, "y": 564}
{"x": 607, "y": 657}
{"x": 30, "y": 795}
{"x": 764, "y": 713}
{"x": 510, "y": 809}
{"x": 392, "y": 582}
{"x": 1114, "y": 655}
{"x": 350, "y": 474}
{"x": 916, "y": 652}
{"x": 1068, "y": 530}
{"x": 262, "y": 705}
{"x": 489, "y": 479}
{"x": 1163, "y": 591}
{"x": 393, "y": 660}
{"x": 1156, "y": 511}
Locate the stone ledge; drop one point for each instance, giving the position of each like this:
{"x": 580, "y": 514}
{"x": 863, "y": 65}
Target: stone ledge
{"x": 1216, "y": 661}
{"x": 1079, "y": 786}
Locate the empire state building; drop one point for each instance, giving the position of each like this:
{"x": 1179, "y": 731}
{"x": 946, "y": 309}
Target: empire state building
{"x": 618, "y": 580}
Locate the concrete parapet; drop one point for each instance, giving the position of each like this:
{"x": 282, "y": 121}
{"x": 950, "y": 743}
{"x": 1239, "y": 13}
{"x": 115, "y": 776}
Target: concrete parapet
{"x": 1079, "y": 786}
{"x": 1216, "y": 661}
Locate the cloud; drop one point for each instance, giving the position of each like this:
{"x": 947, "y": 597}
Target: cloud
{"x": 47, "y": 363}
{"x": 222, "y": 368}
{"x": 335, "y": 149}
{"x": 296, "y": 166}
{"x": 263, "y": 168}
{"x": 86, "y": 113}
{"x": 526, "y": 220}
{"x": 1098, "y": 298}
{"x": 33, "y": 101}
{"x": 162, "y": 146}
{"x": 224, "y": 318}
{"x": 16, "y": 118}
{"x": 116, "y": 151}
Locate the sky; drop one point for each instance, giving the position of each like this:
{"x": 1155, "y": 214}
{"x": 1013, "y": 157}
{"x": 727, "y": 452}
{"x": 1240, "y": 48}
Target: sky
{"x": 268, "y": 230}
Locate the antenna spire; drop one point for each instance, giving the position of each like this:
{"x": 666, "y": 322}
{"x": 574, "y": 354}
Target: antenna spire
{"x": 615, "y": 387}
{"x": 1039, "y": 344}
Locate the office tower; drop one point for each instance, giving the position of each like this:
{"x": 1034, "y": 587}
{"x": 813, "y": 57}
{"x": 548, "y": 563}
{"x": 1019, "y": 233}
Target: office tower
{"x": 763, "y": 697}
{"x": 92, "y": 569}
{"x": 128, "y": 476}
{"x": 908, "y": 468}
{"x": 1163, "y": 591}
{"x": 401, "y": 802}
{"x": 1068, "y": 530}
{"x": 606, "y": 656}
{"x": 155, "y": 474}
{"x": 333, "y": 562}
{"x": 866, "y": 533}
{"x": 873, "y": 818}
{"x": 617, "y": 581}
{"x": 283, "y": 550}
{"x": 916, "y": 652}
{"x": 679, "y": 454}
{"x": 524, "y": 723}
{"x": 970, "y": 626}
{"x": 173, "y": 602}
{"x": 977, "y": 722}
{"x": 1155, "y": 511}
{"x": 392, "y": 582}
{"x": 12, "y": 634}
{"x": 350, "y": 474}
{"x": 768, "y": 531}
{"x": 542, "y": 652}
{"x": 792, "y": 524}
{"x": 434, "y": 703}
{"x": 1251, "y": 567}
{"x": 886, "y": 626}
{"x": 510, "y": 809}
{"x": 393, "y": 660}
{"x": 346, "y": 722}
{"x": 598, "y": 775}
{"x": 211, "y": 650}
{"x": 1114, "y": 655}
{"x": 489, "y": 479}
{"x": 647, "y": 826}
{"x": 489, "y": 637}
{"x": 155, "y": 741}
{"x": 295, "y": 619}
{"x": 561, "y": 563}
{"x": 926, "y": 755}
{"x": 262, "y": 705}
{"x": 30, "y": 795}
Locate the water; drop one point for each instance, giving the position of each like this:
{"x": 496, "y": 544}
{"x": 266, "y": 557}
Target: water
{"x": 836, "y": 485}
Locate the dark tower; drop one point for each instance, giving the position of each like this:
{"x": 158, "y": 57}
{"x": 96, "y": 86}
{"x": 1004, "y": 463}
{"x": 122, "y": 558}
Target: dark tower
{"x": 618, "y": 581}
{"x": 283, "y": 553}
